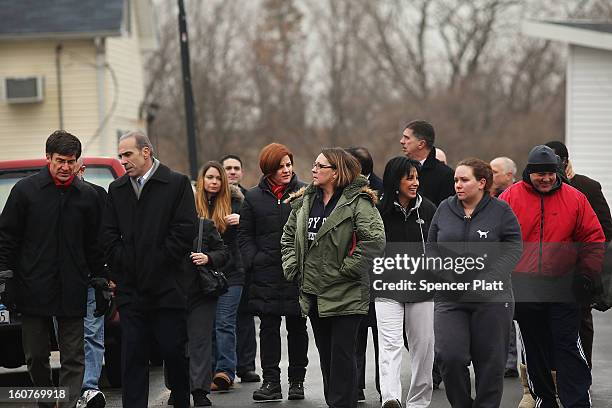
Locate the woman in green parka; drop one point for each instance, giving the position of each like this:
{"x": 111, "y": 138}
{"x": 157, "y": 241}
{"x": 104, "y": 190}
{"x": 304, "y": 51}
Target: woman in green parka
{"x": 328, "y": 245}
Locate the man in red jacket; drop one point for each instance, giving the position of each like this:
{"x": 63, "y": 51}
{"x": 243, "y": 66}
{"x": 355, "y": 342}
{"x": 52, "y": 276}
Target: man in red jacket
{"x": 563, "y": 250}
{"x": 592, "y": 191}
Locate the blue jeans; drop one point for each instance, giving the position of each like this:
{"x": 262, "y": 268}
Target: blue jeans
{"x": 225, "y": 332}
{"x": 94, "y": 343}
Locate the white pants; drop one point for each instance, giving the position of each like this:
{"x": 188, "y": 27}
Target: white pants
{"x": 418, "y": 318}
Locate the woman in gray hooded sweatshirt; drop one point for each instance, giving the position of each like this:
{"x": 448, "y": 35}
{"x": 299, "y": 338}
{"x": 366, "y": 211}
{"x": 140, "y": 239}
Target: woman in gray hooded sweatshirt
{"x": 478, "y": 238}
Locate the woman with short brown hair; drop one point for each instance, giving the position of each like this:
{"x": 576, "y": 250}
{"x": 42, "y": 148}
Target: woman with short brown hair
{"x": 271, "y": 297}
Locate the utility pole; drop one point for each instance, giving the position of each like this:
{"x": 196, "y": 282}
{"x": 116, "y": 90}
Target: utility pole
{"x": 188, "y": 92}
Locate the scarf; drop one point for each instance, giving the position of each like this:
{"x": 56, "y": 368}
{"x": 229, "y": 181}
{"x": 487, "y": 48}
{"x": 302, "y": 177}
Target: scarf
{"x": 277, "y": 190}
{"x": 62, "y": 184}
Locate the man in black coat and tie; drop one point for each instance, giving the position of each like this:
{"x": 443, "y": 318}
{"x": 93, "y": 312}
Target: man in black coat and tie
{"x": 48, "y": 250}
{"x": 149, "y": 227}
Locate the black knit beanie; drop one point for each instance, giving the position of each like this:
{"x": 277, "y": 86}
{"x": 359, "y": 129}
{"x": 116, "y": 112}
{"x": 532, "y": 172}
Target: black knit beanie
{"x": 542, "y": 159}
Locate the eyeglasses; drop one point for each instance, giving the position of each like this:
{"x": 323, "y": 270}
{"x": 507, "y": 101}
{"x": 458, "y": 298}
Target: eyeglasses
{"x": 320, "y": 166}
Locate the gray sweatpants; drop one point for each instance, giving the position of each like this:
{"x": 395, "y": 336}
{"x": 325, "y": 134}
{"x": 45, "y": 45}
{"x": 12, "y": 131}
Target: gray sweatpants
{"x": 474, "y": 333}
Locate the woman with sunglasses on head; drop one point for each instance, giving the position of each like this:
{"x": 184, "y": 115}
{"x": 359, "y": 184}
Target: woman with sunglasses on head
{"x": 407, "y": 217}
{"x": 271, "y": 297}
{"x": 472, "y": 324}
{"x": 328, "y": 245}
{"x": 218, "y": 200}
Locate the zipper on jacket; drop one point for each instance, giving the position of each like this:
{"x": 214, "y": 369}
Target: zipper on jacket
{"x": 420, "y": 229}
{"x": 468, "y": 220}
{"x": 541, "y": 233}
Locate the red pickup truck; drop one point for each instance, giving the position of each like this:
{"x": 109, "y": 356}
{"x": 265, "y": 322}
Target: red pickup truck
{"x": 101, "y": 171}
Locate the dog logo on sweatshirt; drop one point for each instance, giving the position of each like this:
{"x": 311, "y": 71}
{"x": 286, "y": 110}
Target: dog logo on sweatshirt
{"x": 482, "y": 234}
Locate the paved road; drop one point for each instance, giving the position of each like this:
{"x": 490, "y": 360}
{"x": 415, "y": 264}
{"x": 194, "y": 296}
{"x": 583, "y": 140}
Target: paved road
{"x": 240, "y": 396}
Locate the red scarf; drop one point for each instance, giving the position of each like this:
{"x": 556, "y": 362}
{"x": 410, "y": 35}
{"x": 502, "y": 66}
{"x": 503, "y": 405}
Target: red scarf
{"x": 62, "y": 184}
{"x": 277, "y": 190}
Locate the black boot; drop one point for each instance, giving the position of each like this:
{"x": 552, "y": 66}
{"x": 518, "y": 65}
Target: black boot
{"x": 200, "y": 399}
{"x": 296, "y": 390}
{"x": 269, "y": 391}
{"x": 249, "y": 376}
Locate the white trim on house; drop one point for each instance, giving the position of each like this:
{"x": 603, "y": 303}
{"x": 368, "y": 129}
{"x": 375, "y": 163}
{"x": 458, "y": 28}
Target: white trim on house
{"x": 90, "y": 35}
{"x": 567, "y": 34}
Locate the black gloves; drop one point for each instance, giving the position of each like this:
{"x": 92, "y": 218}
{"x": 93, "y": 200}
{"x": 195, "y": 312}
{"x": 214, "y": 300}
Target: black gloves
{"x": 600, "y": 304}
{"x": 590, "y": 292}
{"x": 7, "y": 291}
{"x": 104, "y": 295}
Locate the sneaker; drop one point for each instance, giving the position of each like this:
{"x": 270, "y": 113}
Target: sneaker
{"x": 222, "y": 381}
{"x": 392, "y": 404}
{"x": 511, "y": 373}
{"x": 249, "y": 376}
{"x": 170, "y": 399}
{"x": 361, "y": 396}
{"x": 91, "y": 399}
{"x": 200, "y": 399}
{"x": 269, "y": 391}
{"x": 296, "y": 390}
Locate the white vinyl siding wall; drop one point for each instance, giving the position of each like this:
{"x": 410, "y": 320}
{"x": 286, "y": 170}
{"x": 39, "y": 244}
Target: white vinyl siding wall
{"x": 124, "y": 57}
{"x": 589, "y": 114}
{"x": 25, "y": 127}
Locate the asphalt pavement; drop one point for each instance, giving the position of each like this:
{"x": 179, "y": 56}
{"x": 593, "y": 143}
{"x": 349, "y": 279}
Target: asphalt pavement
{"x": 241, "y": 394}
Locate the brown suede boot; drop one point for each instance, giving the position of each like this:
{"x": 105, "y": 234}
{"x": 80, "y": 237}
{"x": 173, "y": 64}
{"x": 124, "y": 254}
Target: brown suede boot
{"x": 527, "y": 401}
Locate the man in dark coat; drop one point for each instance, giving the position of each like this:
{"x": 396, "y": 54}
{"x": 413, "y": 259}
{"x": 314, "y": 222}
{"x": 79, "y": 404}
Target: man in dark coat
{"x": 436, "y": 178}
{"x": 48, "y": 239}
{"x": 149, "y": 227}
{"x": 246, "y": 342}
{"x": 592, "y": 190}
{"x": 233, "y": 167}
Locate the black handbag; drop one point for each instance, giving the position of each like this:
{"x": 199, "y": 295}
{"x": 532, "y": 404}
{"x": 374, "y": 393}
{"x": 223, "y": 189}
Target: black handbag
{"x": 212, "y": 282}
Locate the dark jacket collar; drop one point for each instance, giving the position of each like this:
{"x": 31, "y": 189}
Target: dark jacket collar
{"x": 162, "y": 174}
{"x": 43, "y": 178}
{"x": 430, "y": 160}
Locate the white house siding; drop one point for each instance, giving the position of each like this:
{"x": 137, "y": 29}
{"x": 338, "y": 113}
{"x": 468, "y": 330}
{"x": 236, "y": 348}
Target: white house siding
{"x": 124, "y": 57}
{"x": 25, "y": 127}
{"x": 589, "y": 114}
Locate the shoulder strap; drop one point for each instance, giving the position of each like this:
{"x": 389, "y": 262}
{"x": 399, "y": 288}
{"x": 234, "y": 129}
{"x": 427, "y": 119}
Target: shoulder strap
{"x": 200, "y": 230}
